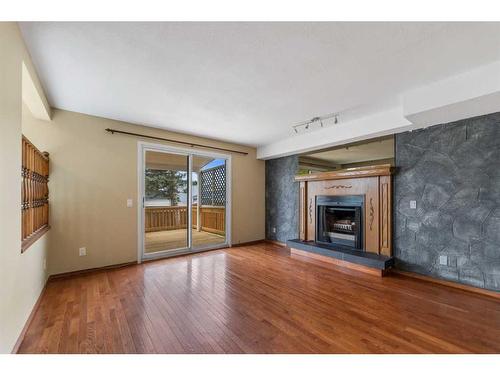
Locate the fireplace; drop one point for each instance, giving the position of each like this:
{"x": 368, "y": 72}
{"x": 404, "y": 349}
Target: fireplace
{"x": 340, "y": 220}
{"x": 345, "y": 218}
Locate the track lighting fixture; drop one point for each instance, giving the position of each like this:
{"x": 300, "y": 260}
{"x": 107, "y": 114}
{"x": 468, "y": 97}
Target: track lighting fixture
{"x": 320, "y": 121}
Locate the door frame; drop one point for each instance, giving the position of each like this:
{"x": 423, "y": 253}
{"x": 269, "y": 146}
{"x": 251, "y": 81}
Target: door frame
{"x": 142, "y": 147}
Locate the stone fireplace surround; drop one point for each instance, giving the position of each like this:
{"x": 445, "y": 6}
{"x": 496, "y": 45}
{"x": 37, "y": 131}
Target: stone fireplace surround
{"x": 452, "y": 172}
{"x": 374, "y": 185}
{"x": 459, "y": 159}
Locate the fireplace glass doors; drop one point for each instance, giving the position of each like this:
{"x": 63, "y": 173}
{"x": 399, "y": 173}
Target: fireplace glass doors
{"x": 340, "y": 220}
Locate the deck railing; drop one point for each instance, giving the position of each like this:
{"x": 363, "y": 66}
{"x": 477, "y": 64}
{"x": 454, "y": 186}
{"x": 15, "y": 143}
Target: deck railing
{"x": 212, "y": 218}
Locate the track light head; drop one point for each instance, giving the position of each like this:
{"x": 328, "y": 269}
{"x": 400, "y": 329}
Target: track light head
{"x": 316, "y": 122}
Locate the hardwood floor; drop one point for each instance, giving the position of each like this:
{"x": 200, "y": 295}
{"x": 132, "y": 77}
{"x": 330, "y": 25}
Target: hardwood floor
{"x": 257, "y": 299}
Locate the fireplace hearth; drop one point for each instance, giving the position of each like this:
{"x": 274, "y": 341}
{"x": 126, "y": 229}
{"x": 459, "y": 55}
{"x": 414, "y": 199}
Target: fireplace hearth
{"x": 340, "y": 220}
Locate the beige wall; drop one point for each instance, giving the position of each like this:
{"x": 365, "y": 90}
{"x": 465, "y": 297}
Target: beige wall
{"x": 22, "y": 275}
{"x": 92, "y": 175}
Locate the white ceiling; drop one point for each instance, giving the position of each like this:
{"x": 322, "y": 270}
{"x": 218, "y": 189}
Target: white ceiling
{"x": 246, "y": 82}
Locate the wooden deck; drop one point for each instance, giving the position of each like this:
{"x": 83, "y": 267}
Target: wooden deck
{"x": 257, "y": 299}
{"x": 176, "y": 239}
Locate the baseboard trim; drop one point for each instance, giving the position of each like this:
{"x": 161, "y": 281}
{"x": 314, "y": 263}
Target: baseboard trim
{"x": 277, "y": 243}
{"x": 89, "y": 270}
{"x": 249, "y": 243}
{"x": 20, "y": 339}
{"x": 338, "y": 262}
{"x": 120, "y": 265}
{"x": 257, "y": 242}
{"x": 451, "y": 284}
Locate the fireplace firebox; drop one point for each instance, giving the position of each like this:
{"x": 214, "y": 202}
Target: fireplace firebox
{"x": 340, "y": 220}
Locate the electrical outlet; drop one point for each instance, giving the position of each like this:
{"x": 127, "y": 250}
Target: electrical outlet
{"x": 443, "y": 260}
{"x": 413, "y": 204}
{"x": 130, "y": 203}
{"x": 45, "y": 264}
{"x": 273, "y": 229}
{"x": 82, "y": 251}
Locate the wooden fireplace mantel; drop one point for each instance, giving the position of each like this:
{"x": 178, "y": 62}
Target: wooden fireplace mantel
{"x": 373, "y": 182}
{"x": 369, "y": 171}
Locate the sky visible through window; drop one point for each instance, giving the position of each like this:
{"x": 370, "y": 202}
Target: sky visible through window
{"x": 213, "y": 163}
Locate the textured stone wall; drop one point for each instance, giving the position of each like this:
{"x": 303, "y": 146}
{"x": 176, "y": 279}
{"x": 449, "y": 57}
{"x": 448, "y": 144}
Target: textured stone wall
{"x": 282, "y": 199}
{"x": 452, "y": 171}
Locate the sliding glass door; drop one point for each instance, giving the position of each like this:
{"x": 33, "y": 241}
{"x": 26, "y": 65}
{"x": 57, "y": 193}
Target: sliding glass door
{"x": 165, "y": 201}
{"x": 184, "y": 199}
{"x": 209, "y": 201}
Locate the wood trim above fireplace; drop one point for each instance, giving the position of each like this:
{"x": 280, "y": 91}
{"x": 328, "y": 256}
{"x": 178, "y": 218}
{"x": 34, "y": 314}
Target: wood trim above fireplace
{"x": 374, "y": 182}
{"x": 358, "y": 172}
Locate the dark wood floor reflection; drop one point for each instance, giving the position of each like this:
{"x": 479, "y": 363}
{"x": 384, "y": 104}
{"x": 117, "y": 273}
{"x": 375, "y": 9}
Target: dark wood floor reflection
{"x": 257, "y": 299}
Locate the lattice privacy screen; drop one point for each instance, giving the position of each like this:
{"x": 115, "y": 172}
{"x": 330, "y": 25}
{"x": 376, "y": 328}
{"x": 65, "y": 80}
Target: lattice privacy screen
{"x": 213, "y": 186}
